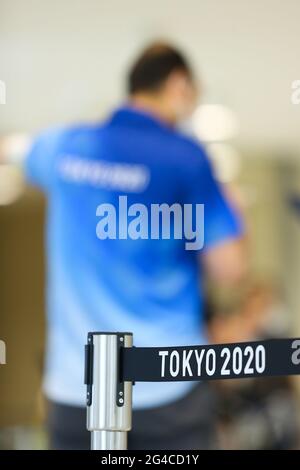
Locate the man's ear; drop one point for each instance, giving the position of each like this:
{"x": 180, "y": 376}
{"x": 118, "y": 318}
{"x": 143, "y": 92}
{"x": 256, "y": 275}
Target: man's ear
{"x": 177, "y": 80}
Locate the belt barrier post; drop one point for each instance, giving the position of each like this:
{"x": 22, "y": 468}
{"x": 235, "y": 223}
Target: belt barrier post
{"x": 109, "y": 400}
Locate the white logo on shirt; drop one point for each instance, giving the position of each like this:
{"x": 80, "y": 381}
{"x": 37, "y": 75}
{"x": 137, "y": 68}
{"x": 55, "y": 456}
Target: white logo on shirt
{"x": 113, "y": 176}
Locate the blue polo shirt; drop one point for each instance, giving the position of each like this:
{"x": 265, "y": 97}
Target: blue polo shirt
{"x": 151, "y": 287}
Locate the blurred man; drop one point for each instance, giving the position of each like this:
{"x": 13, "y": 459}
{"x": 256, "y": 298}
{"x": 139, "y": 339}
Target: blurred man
{"x": 99, "y": 278}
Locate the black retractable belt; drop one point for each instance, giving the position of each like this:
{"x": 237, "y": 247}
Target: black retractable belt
{"x": 113, "y": 365}
{"x": 210, "y": 362}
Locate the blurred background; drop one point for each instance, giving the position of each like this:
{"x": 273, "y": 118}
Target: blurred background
{"x": 64, "y": 61}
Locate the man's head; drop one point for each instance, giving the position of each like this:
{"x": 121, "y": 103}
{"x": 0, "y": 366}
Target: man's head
{"x": 161, "y": 79}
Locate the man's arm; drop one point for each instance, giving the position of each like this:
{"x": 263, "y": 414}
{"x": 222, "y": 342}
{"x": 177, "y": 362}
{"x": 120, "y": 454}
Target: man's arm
{"x": 224, "y": 256}
{"x": 37, "y": 156}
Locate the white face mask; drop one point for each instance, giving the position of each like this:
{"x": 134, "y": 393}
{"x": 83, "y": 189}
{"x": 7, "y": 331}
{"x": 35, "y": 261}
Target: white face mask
{"x": 186, "y": 101}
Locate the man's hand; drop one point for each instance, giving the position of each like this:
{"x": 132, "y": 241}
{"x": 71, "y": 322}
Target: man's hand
{"x": 14, "y": 147}
{"x": 226, "y": 263}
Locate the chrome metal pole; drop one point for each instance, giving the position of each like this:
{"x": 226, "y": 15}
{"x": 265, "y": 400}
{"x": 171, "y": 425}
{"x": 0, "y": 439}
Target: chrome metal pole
{"x": 109, "y": 400}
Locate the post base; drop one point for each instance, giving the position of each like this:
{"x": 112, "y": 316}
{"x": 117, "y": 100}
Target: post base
{"x": 108, "y": 440}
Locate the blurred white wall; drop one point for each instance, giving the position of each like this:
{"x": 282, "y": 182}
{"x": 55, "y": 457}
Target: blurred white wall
{"x": 64, "y": 60}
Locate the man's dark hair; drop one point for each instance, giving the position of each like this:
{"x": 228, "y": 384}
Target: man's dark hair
{"x": 154, "y": 66}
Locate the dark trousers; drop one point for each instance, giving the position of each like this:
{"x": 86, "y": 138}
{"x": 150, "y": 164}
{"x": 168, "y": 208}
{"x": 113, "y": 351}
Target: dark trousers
{"x": 185, "y": 424}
